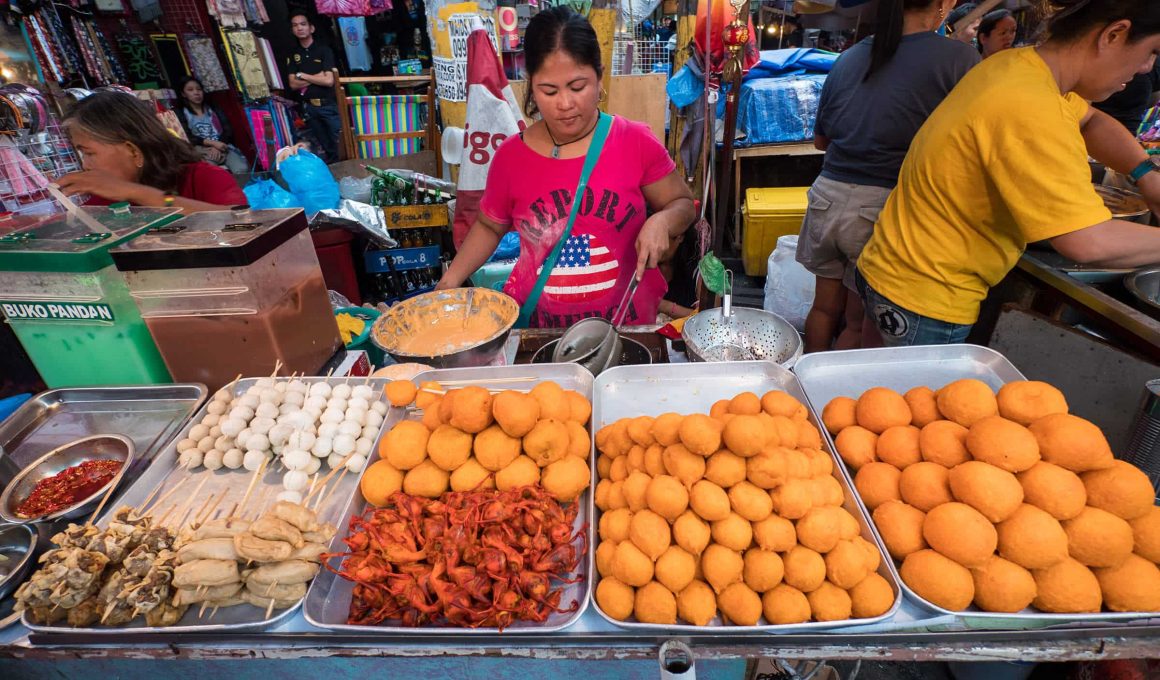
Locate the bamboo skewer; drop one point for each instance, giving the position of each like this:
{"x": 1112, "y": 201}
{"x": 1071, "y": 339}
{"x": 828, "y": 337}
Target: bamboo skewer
{"x": 101, "y": 505}
{"x": 189, "y": 501}
{"x": 201, "y": 517}
{"x": 323, "y": 500}
{"x": 521, "y": 379}
{"x": 325, "y": 481}
{"x": 164, "y": 497}
{"x": 253, "y": 480}
{"x": 161, "y": 520}
{"x": 270, "y": 608}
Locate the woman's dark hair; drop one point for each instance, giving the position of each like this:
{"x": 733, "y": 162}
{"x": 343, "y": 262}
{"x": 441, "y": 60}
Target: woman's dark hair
{"x": 558, "y": 28}
{"x": 959, "y": 13}
{"x": 888, "y": 30}
{"x": 182, "y": 102}
{"x": 991, "y": 20}
{"x": 1071, "y": 19}
{"x": 117, "y": 118}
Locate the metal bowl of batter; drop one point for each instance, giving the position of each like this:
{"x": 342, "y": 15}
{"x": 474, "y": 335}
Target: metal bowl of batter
{"x": 447, "y": 328}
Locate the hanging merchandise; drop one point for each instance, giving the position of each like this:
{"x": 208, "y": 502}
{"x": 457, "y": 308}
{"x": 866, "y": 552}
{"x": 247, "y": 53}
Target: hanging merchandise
{"x": 139, "y": 61}
{"x": 110, "y": 63}
{"x": 270, "y": 65}
{"x": 354, "y": 41}
{"x": 88, "y": 52}
{"x": 352, "y": 8}
{"x": 60, "y": 38}
{"x": 147, "y": 10}
{"x": 270, "y": 127}
{"x": 46, "y": 54}
{"x": 229, "y": 13}
{"x": 246, "y": 64}
{"x": 203, "y": 61}
{"x": 255, "y": 11}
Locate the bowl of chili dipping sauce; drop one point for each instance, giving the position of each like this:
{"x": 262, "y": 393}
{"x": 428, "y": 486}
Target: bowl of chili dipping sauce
{"x": 68, "y": 481}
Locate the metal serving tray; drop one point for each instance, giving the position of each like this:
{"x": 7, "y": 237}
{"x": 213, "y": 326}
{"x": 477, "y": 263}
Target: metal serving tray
{"x": 827, "y": 375}
{"x": 328, "y": 600}
{"x": 165, "y": 474}
{"x": 630, "y": 391}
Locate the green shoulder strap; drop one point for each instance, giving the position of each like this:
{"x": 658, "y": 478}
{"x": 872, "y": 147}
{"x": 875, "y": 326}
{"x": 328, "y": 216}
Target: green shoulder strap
{"x": 599, "y": 135}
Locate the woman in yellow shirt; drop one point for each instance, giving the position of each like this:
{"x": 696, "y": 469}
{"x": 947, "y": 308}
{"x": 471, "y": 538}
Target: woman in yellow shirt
{"x": 1003, "y": 162}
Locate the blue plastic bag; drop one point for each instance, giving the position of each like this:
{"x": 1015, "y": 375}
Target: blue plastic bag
{"x": 684, "y": 88}
{"x": 508, "y": 248}
{"x": 264, "y": 194}
{"x": 310, "y": 181}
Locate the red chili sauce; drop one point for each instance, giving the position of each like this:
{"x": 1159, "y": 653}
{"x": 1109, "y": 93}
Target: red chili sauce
{"x": 68, "y": 487}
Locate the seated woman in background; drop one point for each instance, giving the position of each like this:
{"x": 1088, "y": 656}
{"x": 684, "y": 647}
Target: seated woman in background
{"x": 128, "y": 155}
{"x": 997, "y": 32}
{"x": 207, "y": 127}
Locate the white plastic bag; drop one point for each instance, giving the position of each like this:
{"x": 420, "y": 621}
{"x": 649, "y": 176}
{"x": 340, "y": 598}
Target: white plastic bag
{"x": 789, "y": 287}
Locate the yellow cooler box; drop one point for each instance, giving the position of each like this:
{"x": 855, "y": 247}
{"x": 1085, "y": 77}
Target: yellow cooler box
{"x": 768, "y": 214}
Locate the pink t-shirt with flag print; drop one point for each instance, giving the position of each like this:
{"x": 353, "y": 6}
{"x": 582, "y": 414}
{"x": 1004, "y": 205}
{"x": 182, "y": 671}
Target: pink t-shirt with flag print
{"x": 532, "y": 194}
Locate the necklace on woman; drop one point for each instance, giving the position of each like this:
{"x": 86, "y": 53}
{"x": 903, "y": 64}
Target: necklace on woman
{"x": 557, "y": 145}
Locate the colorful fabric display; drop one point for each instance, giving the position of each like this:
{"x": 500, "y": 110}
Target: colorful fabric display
{"x": 139, "y": 60}
{"x": 270, "y": 65}
{"x": 247, "y": 65}
{"x": 203, "y": 61}
{"x": 352, "y": 8}
{"x": 384, "y": 115}
{"x": 354, "y": 41}
{"x": 229, "y": 13}
{"x": 110, "y": 63}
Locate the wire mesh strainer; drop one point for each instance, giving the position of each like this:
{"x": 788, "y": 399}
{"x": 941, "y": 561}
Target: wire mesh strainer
{"x": 740, "y": 334}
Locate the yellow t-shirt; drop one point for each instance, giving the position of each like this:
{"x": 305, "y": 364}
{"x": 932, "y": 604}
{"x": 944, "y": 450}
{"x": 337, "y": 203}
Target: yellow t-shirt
{"x": 1000, "y": 163}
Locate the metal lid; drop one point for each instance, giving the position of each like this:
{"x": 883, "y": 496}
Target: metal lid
{"x": 61, "y": 243}
{"x": 220, "y": 238}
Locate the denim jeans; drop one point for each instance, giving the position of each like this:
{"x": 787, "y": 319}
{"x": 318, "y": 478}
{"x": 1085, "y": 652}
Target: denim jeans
{"x": 324, "y": 124}
{"x": 900, "y": 327}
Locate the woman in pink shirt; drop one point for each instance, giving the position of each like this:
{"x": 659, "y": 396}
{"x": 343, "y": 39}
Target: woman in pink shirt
{"x": 533, "y": 176}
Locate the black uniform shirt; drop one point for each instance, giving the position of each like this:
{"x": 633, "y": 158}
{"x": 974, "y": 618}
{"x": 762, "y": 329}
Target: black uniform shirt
{"x": 313, "y": 60}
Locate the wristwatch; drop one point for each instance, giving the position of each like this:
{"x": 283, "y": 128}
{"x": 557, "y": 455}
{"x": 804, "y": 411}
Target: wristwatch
{"x": 1142, "y": 169}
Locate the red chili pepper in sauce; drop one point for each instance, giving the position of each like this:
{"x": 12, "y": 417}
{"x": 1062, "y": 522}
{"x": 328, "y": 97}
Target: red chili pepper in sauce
{"x": 68, "y": 487}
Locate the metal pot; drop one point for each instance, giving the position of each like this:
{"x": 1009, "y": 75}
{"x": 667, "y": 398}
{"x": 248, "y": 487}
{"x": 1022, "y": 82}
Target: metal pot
{"x": 1144, "y": 285}
{"x": 447, "y": 309}
{"x": 632, "y": 353}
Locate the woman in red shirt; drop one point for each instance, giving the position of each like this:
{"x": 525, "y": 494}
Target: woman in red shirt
{"x": 128, "y": 155}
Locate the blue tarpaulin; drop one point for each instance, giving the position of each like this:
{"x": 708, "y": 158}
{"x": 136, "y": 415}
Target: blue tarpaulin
{"x": 779, "y": 96}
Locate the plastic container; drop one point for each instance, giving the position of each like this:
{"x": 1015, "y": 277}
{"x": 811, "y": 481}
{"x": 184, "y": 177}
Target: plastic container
{"x": 493, "y": 275}
{"x": 232, "y": 292}
{"x": 767, "y": 215}
{"x": 69, "y": 306}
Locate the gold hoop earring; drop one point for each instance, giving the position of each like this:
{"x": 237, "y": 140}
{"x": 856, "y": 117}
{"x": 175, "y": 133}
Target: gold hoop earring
{"x": 603, "y": 98}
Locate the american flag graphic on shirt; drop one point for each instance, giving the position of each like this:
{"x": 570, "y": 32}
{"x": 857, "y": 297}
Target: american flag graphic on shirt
{"x": 585, "y": 271}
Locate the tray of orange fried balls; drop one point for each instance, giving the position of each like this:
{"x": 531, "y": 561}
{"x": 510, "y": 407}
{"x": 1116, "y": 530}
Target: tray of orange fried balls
{"x": 994, "y": 501}
{"x": 720, "y": 507}
{"x": 473, "y": 515}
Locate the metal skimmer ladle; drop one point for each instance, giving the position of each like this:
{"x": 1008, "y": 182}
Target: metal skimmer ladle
{"x": 595, "y": 341}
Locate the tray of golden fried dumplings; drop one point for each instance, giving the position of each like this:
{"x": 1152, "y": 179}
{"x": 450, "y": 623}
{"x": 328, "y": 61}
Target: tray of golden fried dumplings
{"x": 995, "y": 503}
{"x": 720, "y": 507}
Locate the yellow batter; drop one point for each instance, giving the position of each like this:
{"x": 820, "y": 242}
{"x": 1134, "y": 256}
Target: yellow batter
{"x": 449, "y": 336}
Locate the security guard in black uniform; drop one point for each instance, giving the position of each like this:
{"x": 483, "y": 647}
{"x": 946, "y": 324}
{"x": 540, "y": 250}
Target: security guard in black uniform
{"x": 311, "y": 74}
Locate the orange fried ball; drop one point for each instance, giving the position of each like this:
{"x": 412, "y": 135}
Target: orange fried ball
{"x": 793, "y": 499}
{"x": 939, "y": 580}
{"x": 775, "y": 533}
{"x": 579, "y": 443}
{"x": 400, "y": 392}
{"x": 447, "y": 406}
{"x": 1032, "y": 538}
{"x": 449, "y": 447}
{"x": 566, "y": 479}
{"x": 1122, "y": 489}
{"x": 1002, "y": 586}
{"x": 523, "y": 471}
{"x": 614, "y": 598}
{"x": 405, "y": 445}
{"x": 944, "y": 442}
{"x": 820, "y": 529}
{"x": 778, "y": 403}
{"x": 635, "y": 488}
{"x": 857, "y": 446}
{"x": 655, "y": 604}
{"x": 666, "y": 428}
{"x": 697, "y": 603}
{"x": 830, "y": 603}
{"x": 872, "y": 597}
{"x": 427, "y": 480}
{"x": 691, "y": 533}
{"x": 719, "y": 409}
{"x": 380, "y": 482}
{"x": 881, "y": 408}
{"x": 827, "y": 491}
{"x": 654, "y": 463}
{"x": 734, "y": 532}
{"x": 579, "y": 407}
{"x": 1146, "y": 530}
{"x": 846, "y": 565}
{"x": 821, "y": 464}
{"x": 472, "y": 476}
{"x": 630, "y": 565}
{"x": 1003, "y": 443}
{"x": 900, "y": 526}
{"x": 805, "y": 569}
{"x": 1097, "y": 538}
{"x": 1067, "y": 588}
{"x": 548, "y": 442}
{"x": 1026, "y": 401}
{"x": 650, "y": 532}
{"x": 431, "y": 419}
{"x": 763, "y": 569}
{"x": 1072, "y": 443}
{"x": 725, "y": 469}
{"x": 739, "y": 605}
{"x": 768, "y": 469}
{"x": 785, "y": 605}
{"x": 1134, "y": 586}
{"x": 682, "y": 464}
{"x": 721, "y": 566}
{"x": 839, "y": 414}
{"x": 745, "y": 435}
{"x": 961, "y": 533}
{"x": 877, "y": 483}
{"x": 923, "y": 406}
{"x": 709, "y": 501}
{"x": 614, "y": 525}
{"x": 750, "y": 502}
{"x": 808, "y": 436}
{"x": 604, "y": 554}
{"x": 471, "y": 410}
{"x": 967, "y": 401}
{"x": 745, "y": 404}
{"x": 640, "y": 430}
{"x": 1058, "y": 491}
{"x": 925, "y": 485}
{"x": 494, "y": 449}
{"x": 994, "y": 492}
{"x": 676, "y": 568}
{"x": 553, "y": 402}
{"x": 700, "y": 434}
{"x": 424, "y": 399}
{"x": 515, "y": 412}
{"x": 667, "y": 497}
{"x": 899, "y": 446}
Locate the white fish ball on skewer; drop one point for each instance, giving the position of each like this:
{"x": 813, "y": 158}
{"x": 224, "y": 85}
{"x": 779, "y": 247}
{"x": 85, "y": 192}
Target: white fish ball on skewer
{"x": 250, "y": 399}
{"x": 288, "y": 408}
{"x": 374, "y": 419}
{"x": 356, "y": 415}
{"x": 349, "y": 427}
{"x": 335, "y": 461}
{"x": 233, "y": 426}
{"x": 369, "y": 432}
{"x": 233, "y": 459}
{"x": 341, "y": 391}
{"x": 198, "y": 431}
{"x": 294, "y": 497}
{"x": 315, "y": 465}
{"x": 270, "y": 396}
{"x": 211, "y": 420}
{"x": 223, "y": 443}
{"x": 300, "y": 440}
{"x": 262, "y": 425}
{"x": 295, "y": 480}
{"x": 191, "y": 459}
{"x": 300, "y": 420}
{"x": 343, "y": 445}
{"x": 263, "y": 383}
{"x": 186, "y": 444}
{"x": 336, "y": 403}
{"x": 332, "y": 415}
{"x": 315, "y": 401}
{"x": 258, "y": 442}
{"x": 296, "y": 386}
{"x": 356, "y": 463}
{"x": 242, "y": 437}
{"x": 294, "y": 399}
{"x": 216, "y": 408}
{"x": 266, "y": 410}
{"x": 252, "y": 460}
{"x": 329, "y": 429}
{"x": 363, "y": 445}
{"x": 280, "y": 387}
{"x": 323, "y": 447}
{"x": 280, "y": 434}
{"x": 223, "y": 395}
{"x": 205, "y": 444}
{"x": 242, "y": 413}
{"x": 362, "y": 392}
{"x": 358, "y": 402}
{"x": 213, "y": 460}
{"x": 296, "y": 459}
{"x": 215, "y": 431}
{"x": 379, "y": 408}
{"x": 314, "y": 413}
{"x": 320, "y": 388}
